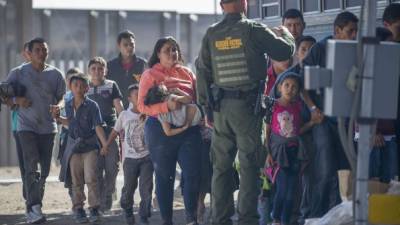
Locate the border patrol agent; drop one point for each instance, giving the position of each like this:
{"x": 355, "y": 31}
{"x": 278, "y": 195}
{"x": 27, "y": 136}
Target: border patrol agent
{"x": 231, "y": 67}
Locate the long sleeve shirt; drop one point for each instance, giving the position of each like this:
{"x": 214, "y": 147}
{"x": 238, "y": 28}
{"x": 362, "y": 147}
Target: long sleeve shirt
{"x": 176, "y": 77}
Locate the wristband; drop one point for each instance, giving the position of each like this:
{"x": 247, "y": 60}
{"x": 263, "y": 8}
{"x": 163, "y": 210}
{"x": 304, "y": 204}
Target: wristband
{"x": 14, "y": 100}
{"x": 313, "y": 108}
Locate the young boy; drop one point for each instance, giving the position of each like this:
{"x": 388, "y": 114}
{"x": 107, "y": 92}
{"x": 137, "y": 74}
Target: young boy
{"x": 107, "y": 95}
{"x": 137, "y": 161}
{"x": 84, "y": 122}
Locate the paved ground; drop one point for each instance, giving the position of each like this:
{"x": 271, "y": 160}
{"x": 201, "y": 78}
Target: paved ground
{"x": 56, "y": 203}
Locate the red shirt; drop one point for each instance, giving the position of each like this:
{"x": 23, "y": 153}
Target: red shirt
{"x": 271, "y": 75}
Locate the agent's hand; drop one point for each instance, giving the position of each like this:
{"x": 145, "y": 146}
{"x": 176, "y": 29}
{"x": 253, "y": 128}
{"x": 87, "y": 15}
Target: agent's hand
{"x": 23, "y": 102}
{"x": 279, "y": 30}
{"x": 173, "y": 105}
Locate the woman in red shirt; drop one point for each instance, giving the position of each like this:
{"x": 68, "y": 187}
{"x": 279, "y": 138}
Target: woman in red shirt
{"x": 165, "y": 66}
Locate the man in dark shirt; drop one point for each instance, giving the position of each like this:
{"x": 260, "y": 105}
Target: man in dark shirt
{"x": 127, "y": 68}
{"x": 329, "y": 155}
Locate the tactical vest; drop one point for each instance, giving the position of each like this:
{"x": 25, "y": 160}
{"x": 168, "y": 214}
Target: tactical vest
{"x": 236, "y": 63}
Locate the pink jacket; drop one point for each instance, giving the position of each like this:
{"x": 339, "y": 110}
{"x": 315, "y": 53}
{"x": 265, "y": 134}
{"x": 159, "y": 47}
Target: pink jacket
{"x": 176, "y": 77}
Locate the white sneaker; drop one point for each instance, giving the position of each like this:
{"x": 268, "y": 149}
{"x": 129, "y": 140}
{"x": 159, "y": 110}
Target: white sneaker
{"x": 32, "y": 218}
{"x": 36, "y": 214}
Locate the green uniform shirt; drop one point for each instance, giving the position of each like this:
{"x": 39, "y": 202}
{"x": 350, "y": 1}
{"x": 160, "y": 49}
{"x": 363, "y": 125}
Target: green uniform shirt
{"x": 233, "y": 52}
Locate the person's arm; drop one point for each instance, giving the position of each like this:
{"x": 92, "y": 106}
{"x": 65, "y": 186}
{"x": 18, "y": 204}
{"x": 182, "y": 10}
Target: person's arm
{"x": 184, "y": 99}
{"x": 278, "y": 42}
{"x": 63, "y": 121}
{"x": 269, "y": 161}
{"x": 118, "y": 105}
{"x": 117, "y": 96}
{"x": 102, "y": 137}
{"x": 204, "y": 73}
{"x": 172, "y": 131}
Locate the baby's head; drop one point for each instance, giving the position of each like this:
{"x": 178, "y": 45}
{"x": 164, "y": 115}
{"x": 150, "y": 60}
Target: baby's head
{"x": 156, "y": 94}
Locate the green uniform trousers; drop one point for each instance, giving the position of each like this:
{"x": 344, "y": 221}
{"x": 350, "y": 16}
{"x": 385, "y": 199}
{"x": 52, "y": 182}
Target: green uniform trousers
{"x": 236, "y": 128}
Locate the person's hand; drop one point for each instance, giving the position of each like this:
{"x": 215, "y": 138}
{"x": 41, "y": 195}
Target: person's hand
{"x": 55, "y": 111}
{"x": 269, "y": 161}
{"x": 317, "y": 116}
{"x": 186, "y": 126}
{"x": 279, "y": 30}
{"x": 104, "y": 150}
{"x": 208, "y": 122}
{"x": 173, "y": 105}
{"x": 23, "y": 102}
{"x": 379, "y": 141}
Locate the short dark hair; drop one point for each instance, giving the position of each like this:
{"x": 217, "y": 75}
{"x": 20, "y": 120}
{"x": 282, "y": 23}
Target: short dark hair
{"x": 155, "y": 95}
{"x": 133, "y": 87}
{"x": 391, "y": 13}
{"x": 72, "y": 71}
{"x": 37, "y": 40}
{"x": 124, "y": 35}
{"x": 343, "y": 18}
{"x": 157, "y": 48}
{"x": 97, "y": 60}
{"x": 303, "y": 39}
{"x": 79, "y": 76}
{"x": 293, "y": 14}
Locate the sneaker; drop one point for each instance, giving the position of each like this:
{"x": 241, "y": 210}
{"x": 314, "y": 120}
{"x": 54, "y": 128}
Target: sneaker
{"x": 80, "y": 216}
{"x": 144, "y": 220}
{"x": 33, "y": 218}
{"x": 37, "y": 215}
{"x": 94, "y": 215}
{"x": 129, "y": 217}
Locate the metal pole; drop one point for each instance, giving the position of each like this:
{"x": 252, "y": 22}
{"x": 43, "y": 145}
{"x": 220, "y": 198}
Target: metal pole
{"x": 366, "y": 127}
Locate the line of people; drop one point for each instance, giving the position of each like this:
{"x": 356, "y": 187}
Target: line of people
{"x": 159, "y": 113}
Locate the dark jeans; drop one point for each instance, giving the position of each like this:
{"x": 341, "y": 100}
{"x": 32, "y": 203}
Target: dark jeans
{"x": 20, "y": 163}
{"x": 327, "y": 159}
{"x": 107, "y": 171}
{"x": 165, "y": 152}
{"x": 286, "y": 182}
{"x": 36, "y": 149}
{"x": 138, "y": 170}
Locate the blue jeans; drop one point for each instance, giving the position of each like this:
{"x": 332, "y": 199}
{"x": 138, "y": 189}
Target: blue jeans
{"x": 383, "y": 161}
{"x": 165, "y": 152}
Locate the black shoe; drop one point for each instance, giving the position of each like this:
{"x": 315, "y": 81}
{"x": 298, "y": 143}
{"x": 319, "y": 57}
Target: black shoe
{"x": 80, "y": 216}
{"x": 129, "y": 217}
{"x": 94, "y": 215}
